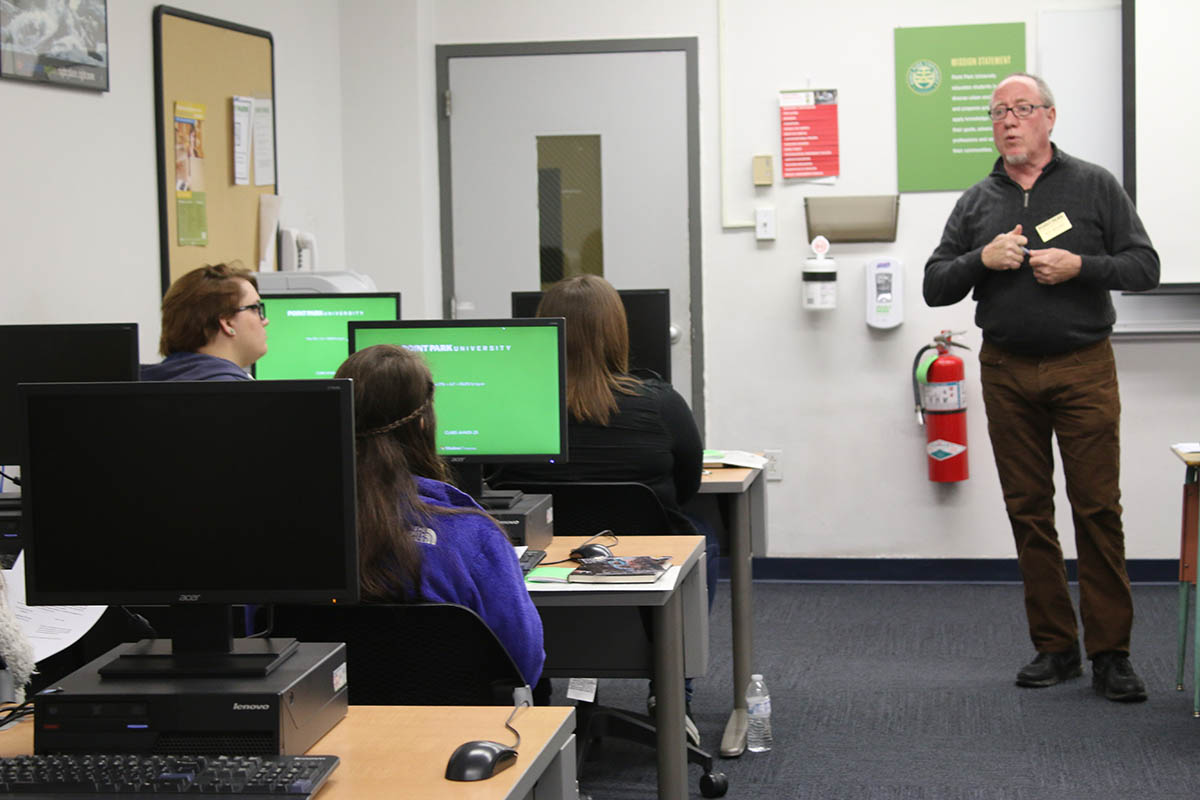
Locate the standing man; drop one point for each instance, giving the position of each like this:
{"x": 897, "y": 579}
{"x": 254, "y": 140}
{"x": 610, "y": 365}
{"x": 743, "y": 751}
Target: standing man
{"x": 1041, "y": 241}
{"x": 214, "y": 326}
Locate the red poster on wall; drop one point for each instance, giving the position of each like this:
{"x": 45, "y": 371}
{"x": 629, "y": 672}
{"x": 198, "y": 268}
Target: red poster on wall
{"x": 808, "y": 133}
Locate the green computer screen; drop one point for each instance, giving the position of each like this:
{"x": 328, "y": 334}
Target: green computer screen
{"x": 499, "y": 385}
{"x": 307, "y": 333}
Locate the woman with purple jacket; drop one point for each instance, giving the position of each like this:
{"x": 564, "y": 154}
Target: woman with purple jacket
{"x": 420, "y": 539}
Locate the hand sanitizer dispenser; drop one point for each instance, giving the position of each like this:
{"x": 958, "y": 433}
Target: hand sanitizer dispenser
{"x": 820, "y": 277}
{"x": 885, "y": 293}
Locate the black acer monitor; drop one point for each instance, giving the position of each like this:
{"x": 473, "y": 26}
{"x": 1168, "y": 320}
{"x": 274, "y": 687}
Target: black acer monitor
{"x": 500, "y": 389}
{"x": 648, "y": 313}
{"x": 307, "y": 336}
{"x": 197, "y": 495}
{"x": 51, "y": 353}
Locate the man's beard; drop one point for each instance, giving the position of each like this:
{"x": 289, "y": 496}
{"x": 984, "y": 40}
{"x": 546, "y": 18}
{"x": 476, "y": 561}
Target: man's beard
{"x": 1017, "y": 159}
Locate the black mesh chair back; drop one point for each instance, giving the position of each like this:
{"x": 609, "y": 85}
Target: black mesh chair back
{"x": 586, "y": 508}
{"x": 426, "y": 654}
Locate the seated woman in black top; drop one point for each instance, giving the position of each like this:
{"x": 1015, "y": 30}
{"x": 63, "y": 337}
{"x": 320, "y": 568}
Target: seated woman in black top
{"x": 621, "y": 428}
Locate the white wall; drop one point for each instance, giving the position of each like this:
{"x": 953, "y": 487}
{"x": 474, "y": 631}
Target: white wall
{"x": 832, "y": 394}
{"x": 357, "y": 141}
{"x": 78, "y": 179}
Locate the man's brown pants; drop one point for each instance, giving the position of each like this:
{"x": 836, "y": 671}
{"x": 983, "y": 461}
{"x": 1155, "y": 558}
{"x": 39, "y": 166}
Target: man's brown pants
{"x": 1075, "y": 397}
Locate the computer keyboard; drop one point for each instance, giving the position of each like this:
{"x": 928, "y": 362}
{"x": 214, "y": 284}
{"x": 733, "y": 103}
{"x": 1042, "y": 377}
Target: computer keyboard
{"x": 530, "y": 559}
{"x": 153, "y": 776}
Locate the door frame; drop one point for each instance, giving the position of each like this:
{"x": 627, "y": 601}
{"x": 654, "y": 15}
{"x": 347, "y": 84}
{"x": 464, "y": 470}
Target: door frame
{"x": 687, "y": 45}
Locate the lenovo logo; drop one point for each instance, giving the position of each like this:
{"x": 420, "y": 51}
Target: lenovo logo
{"x": 251, "y": 706}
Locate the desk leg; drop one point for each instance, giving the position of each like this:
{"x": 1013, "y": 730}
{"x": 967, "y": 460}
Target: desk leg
{"x": 559, "y": 782}
{"x": 1187, "y": 568}
{"x": 668, "y": 682}
{"x": 741, "y": 551}
{"x": 1181, "y": 657}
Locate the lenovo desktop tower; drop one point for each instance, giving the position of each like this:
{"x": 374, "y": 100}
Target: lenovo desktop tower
{"x": 529, "y": 522}
{"x": 284, "y": 712}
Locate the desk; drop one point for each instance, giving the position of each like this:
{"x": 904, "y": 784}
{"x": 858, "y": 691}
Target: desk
{"x": 401, "y": 751}
{"x": 666, "y": 599}
{"x": 744, "y": 490}
{"x": 1187, "y": 570}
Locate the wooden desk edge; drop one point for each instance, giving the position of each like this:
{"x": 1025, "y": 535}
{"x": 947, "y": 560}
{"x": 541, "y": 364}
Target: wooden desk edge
{"x": 365, "y": 725}
{"x": 1191, "y": 458}
{"x": 727, "y": 480}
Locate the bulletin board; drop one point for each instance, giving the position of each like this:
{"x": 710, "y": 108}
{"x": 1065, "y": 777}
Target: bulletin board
{"x": 204, "y": 62}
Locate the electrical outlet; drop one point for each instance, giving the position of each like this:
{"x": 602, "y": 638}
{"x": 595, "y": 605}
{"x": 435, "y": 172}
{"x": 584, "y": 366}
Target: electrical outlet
{"x": 774, "y": 465}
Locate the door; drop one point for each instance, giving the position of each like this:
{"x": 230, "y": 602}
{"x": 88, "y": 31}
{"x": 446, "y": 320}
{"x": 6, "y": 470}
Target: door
{"x": 560, "y": 158}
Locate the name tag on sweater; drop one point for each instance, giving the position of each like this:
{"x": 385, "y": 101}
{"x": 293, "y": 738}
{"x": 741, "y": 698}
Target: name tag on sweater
{"x": 1054, "y": 226}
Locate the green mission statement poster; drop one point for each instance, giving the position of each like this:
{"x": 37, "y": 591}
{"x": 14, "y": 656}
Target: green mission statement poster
{"x": 944, "y": 81}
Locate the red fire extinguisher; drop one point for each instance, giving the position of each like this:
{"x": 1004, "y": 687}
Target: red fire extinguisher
{"x": 941, "y": 402}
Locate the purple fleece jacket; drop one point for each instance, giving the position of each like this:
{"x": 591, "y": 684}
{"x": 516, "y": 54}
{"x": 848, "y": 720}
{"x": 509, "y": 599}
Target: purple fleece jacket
{"x": 193, "y": 367}
{"x": 469, "y": 561}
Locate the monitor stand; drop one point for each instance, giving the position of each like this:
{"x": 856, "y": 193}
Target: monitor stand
{"x": 203, "y": 647}
{"x": 469, "y": 478}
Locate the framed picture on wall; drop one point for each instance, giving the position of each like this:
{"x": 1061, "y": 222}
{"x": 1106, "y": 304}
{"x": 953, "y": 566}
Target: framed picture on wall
{"x": 49, "y": 41}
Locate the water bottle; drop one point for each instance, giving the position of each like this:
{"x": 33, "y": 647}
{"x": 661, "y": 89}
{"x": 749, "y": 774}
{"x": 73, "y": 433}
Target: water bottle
{"x": 758, "y": 710}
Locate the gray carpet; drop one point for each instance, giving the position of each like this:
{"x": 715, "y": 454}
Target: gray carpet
{"x": 906, "y": 691}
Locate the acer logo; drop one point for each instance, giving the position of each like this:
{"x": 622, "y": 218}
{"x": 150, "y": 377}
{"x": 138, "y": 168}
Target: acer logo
{"x": 188, "y": 598}
{"x": 251, "y": 707}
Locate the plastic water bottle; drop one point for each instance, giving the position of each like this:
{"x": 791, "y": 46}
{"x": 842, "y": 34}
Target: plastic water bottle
{"x": 758, "y": 709}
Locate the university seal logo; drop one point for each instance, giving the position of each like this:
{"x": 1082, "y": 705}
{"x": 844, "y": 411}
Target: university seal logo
{"x": 924, "y": 77}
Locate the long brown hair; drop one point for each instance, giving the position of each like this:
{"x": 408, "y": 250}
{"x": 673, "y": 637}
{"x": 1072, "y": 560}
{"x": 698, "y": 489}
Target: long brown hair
{"x": 394, "y": 437}
{"x": 597, "y": 345}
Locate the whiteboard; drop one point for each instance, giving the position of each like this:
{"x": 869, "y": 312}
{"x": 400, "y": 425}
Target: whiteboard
{"x": 1168, "y": 159}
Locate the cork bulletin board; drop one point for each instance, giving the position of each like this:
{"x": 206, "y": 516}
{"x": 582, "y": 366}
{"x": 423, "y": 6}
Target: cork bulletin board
{"x": 200, "y": 65}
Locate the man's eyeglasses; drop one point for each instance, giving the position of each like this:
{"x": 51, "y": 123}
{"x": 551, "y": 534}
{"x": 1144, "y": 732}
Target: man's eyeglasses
{"x": 259, "y": 308}
{"x": 1020, "y": 111}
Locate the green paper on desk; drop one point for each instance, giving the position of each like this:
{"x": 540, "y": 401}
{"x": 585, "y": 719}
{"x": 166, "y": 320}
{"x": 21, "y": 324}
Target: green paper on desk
{"x": 549, "y": 574}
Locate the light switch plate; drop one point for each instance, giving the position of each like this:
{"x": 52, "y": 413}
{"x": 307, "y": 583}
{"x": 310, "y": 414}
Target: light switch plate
{"x": 764, "y": 170}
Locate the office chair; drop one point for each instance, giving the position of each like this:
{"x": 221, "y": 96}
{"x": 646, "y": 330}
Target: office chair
{"x": 625, "y": 508}
{"x": 423, "y": 654}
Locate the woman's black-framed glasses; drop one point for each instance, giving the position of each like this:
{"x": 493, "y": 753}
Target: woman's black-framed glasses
{"x": 260, "y": 308}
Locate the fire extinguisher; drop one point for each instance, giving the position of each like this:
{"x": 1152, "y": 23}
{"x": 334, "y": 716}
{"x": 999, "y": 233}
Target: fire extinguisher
{"x": 942, "y": 408}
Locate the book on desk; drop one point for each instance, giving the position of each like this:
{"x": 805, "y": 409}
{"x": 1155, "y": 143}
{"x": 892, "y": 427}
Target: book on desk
{"x": 620, "y": 569}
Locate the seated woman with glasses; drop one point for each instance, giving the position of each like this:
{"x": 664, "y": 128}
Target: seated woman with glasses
{"x": 419, "y": 538}
{"x": 214, "y": 327}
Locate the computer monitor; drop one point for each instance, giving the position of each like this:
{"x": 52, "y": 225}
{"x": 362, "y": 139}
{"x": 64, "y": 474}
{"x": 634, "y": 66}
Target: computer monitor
{"x": 307, "y": 335}
{"x": 501, "y": 388}
{"x": 648, "y": 313}
{"x": 46, "y": 353}
{"x": 194, "y": 494}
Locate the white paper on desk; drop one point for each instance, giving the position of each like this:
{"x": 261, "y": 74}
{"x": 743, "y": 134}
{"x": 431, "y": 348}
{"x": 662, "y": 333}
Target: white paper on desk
{"x": 740, "y": 458}
{"x": 49, "y": 629}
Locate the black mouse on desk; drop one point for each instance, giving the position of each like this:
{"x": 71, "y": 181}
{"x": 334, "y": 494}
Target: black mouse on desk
{"x": 593, "y": 550}
{"x": 479, "y": 760}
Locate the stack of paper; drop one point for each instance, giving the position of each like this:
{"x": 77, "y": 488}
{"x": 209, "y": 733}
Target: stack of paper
{"x": 733, "y": 458}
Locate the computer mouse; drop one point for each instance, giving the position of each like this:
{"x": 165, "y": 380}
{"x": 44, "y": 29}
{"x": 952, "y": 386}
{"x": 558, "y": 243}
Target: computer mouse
{"x": 479, "y": 760}
{"x": 593, "y": 550}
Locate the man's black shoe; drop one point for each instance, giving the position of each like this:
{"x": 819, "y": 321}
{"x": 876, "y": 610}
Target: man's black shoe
{"x": 1051, "y": 668}
{"x": 1113, "y": 677}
